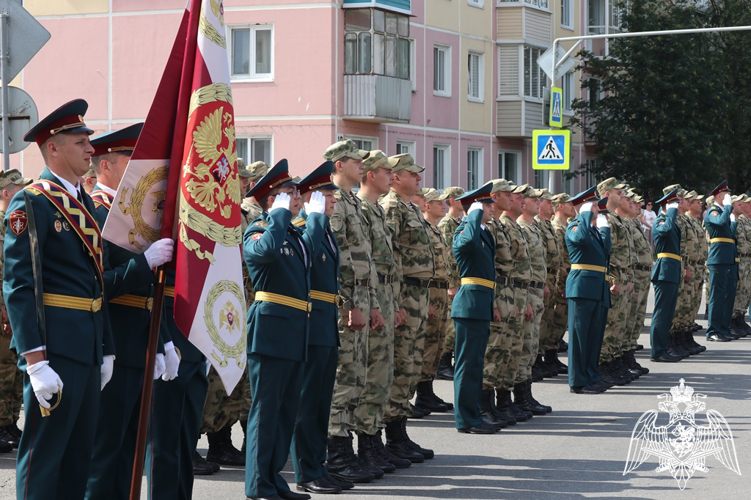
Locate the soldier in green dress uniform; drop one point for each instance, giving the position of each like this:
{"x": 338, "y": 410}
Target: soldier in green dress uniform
{"x": 720, "y": 261}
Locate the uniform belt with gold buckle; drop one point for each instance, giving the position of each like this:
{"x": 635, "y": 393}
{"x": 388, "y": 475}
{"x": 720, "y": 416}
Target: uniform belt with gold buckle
{"x": 669, "y": 256}
{"x": 169, "y": 291}
{"x": 331, "y": 298}
{"x": 71, "y": 302}
{"x": 722, "y": 240}
{"x": 383, "y": 279}
{"x": 479, "y": 281}
{"x": 276, "y": 298}
{"x": 136, "y": 301}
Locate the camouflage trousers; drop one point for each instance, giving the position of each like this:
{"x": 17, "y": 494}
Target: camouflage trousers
{"x": 409, "y": 347}
{"x": 516, "y": 325}
{"x": 351, "y": 370}
{"x": 637, "y": 310}
{"x": 498, "y": 352}
{"x": 531, "y": 339}
{"x": 615, "y": 327}
{"x": 560, "y": 313}
{"x": 435, "y": 333}
{"x": 380, "y": 370}
{"x": 740, "y": 307}
{"x": 221, "y": 410}
{"x": 11, "y": 383}
{"x": 448, "y": 345}
{"x": 682, "y": 306}
{"x": 698, "y": 285}
{"x": 550, "y": 336}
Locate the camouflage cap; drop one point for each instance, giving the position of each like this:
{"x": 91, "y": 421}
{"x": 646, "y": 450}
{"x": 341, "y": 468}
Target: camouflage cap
{"x": 257, "y": 169}
{"x": 453, "y": 192}
{"x": 13, "y": 176}
{"x": 530, "y": 192}
{"x": 691, "y": 195}
{"x": 710, "y": 200}
{"x": 405, "y": 162}
{"x": 340, "y": 149}
{"x": 376, "y": 159}
{"x": 504, "y": 186}
{"x": 543, "y": 194}
{"x": 739, "y": 198}
{"x": 90, "y": 173}
{"x": 638, "y": 199}
{"x": 681, "y": 192}
{"x": 432, "y": 194}
{"x": 608, "y": 184}
{"x": 561, "y": 198}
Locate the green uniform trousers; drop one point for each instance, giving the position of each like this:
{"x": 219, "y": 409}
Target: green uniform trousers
{"x": 471, "y": 341}
{"x": 585, "y": 328}
{"x": 666, "y": 296}
{"x": 720, "y": 280}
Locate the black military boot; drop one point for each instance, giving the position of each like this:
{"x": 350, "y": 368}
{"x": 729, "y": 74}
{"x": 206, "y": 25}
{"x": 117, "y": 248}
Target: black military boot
{"x": 608, "y": 376}
{"x": 734, "y": 331}
{"x": 520, "y": 400}
{"x": 366, "y": 450}
{"x": 427, "y": 400}
{"x": 200, "y": 466}
{"x": 221, "y": 449}
{"x": 744, "y": 326}
{"x": 553, "y": 363}
{"x": 342, "y": 464}
{"x": 445, "y": 368}
{"x": 503, "y": 407}
{"x": 740, "y": 326}
{"x": 418, "y": 412}
{"x": 438, "y": 400}
{"x": 486, "y": 410}
{"x": 538, "y": 372}
{"x": 531, "y": 399}
{"x": 425, "y": 452}
{"x": 8, "y": 438}
{"x": 384, "y": 453}
{"x": 397, "y": 445}
{"x": 674, "y": 349}
{"x": 685, "y": 341}
{"x": 624, "y": 370}
{"x": 692, "y": 342}
{"x": 632, "y": 364}
{"x": 562, "y": 346}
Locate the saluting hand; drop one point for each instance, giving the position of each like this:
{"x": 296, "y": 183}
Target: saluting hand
{"x": 475, "y": 206}
{"x": 282, "y": 200}
{"x": 727, "y": 200}
{"x": 317, "y": 203}
{"x": 44, "y": 381}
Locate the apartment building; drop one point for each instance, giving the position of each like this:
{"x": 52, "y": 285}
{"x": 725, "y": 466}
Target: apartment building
{"x": 453, "y": 82}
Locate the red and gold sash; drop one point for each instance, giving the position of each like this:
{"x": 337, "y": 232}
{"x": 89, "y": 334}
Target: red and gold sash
{"x": 77, "y": 216}
{"x": 101, "y": 198}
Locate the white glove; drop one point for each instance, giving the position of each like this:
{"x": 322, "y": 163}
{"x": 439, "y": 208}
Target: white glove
{"x": 732, "y": 217}
{"x": 586, "y": 207}
{"x": 44, "y": 381}
{"x": 671, "y": 205}
{"x": 602, "y": 221}
{"x": 727, "y": 200}
{"x": 159, "y": 366}
{"x": 317, "y": 203}
{"x": 171, "y": 362}
{"x": 475, "y": 206}
{"x": 282, "y": 200}
{"x": 108, "y": 366}
{"x": 160, "y": 252}
{"x": 208, "y": 367}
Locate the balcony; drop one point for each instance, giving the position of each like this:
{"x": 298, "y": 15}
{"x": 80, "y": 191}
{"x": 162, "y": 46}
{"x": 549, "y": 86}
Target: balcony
{"x": 518, "y": 118}
{"x": 377, "y": 99}
{"x": 529, "y": 20}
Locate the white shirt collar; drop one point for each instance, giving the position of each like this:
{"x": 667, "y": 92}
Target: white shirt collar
{"x": 73, "y": 190}
{"x": 482, "y": 226}
{"x": 107, "y": 189}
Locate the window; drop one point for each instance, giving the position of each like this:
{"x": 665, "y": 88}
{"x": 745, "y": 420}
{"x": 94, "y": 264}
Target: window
{"x": 476, "y": 3}
{"x": 365, "y": 143}
{"x": 541, "y": 179}
{"x": 509, "y": 163}
{"x": 568, "y": 184}
{"x": 595, "y": 90}
{"x": 534, "y": 78}
{"x": 567, "y": 86}
{"x": 567, "y": 14}
{"x": 442, "y": 70}
{"x": 251, "y": 53}
{"x": 253, "y": 149}
{"x": 590, "y": 173}
{"x": 476, "y": 67}
{"x": 441, "y": 166}
{"x": 377, "y": 42}
{"x": 474, "y": 168}
{"x": 405, "y": 147}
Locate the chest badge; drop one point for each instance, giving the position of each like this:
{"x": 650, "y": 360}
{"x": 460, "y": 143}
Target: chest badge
{"x": 323, "y": 256}
{"x": 58, "y": 226}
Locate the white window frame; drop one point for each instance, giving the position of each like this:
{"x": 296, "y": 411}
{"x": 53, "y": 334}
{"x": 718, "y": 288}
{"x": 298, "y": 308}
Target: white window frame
{"x": 256, "y": 137}
{"x": 359, "y": 139}
{"x": 570, "y": 4}
{"x": 413, "y": 63}
{"x": 446, "y": 92}
{"x": 480, "y": 166}
{"x": 545, "y": 178}
{"x": 252, "y": 76}
{"x": 568, "y": 86}
{"x": 502, "y": 173}
{"x": 534, "y": 53}
{"x": 480, "y": 4}
{"x": 406, "y": 147}
{"x": 480, "y": 75}
{"x": 446, "y": 148}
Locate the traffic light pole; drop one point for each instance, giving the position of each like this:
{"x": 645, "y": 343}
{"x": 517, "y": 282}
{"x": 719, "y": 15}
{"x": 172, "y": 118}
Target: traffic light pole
{"x": 578, "y": 39}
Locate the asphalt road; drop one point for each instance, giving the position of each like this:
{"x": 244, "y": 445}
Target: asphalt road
{"x": 578, "y": 451}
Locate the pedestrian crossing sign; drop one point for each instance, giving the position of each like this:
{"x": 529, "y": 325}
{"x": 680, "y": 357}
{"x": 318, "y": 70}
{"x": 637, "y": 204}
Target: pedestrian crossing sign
{"x": 556, "y": 107}
{"x": 552, "y": 149}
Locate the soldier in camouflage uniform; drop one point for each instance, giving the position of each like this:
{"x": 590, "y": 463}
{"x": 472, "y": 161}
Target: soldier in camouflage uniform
{"x": 537, "y": 291}
{"x": 415, "y": 266}
{"x": 564, "y": 213}
{"x": 376, "y": 181}
{"x": 549, "y": 337}
{"x": 448, "y": 227}
{"x": 11, "y": 378}
{"x": 440, "y": 306}
{"x": 743, "y": 238}
{"x": 612, "y": 367}
{"x": 698, "y": 269}
{"x": 359, "y": 315}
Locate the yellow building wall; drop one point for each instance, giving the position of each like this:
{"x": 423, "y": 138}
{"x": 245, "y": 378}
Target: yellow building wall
{"x": 477, "y": 21}
{"x": 442, "y": 14}
{"x": 66, "y": 7}
{"x": 477, "y": 116}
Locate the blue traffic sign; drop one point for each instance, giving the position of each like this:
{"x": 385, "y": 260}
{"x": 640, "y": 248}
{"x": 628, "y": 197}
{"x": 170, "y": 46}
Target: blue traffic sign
{"x": 552, "y": 149}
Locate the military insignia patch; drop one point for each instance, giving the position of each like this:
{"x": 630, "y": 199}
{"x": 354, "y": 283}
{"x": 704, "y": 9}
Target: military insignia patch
{"x": 256, "y": 236}
{"x": 58, "y": 226}
{"x": 323, "y": 256}
{"x": 714, "y": 213}
{"x": 260, "y": 223}
{"x": 66, "y": 225}
{"x": 18, "y": 221}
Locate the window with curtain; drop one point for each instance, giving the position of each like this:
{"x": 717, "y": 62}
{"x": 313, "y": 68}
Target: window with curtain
{"x": 476, "y": 76}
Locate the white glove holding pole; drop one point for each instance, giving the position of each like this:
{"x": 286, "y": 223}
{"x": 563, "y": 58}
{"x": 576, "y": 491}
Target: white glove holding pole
{"x": 317, "y": 203}
{"x": 586, "y": 207}
{"x": 171, "y": 362}
{"x": 602, "y": 221}
{"x": 44, "y": 381}
{"x": 475, "y": 206}
{"x": 159, "y": 366}
{"x": 108, "y": 366}
{"x": 671, "y": 205}
{"x": 160, "y": 252}
{"x": 727, "y": 200}
{"x": 282, "y": 200}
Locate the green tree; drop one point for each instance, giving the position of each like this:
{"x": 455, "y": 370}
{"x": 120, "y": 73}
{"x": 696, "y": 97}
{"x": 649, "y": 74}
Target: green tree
{"x": 662, "y": 116}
